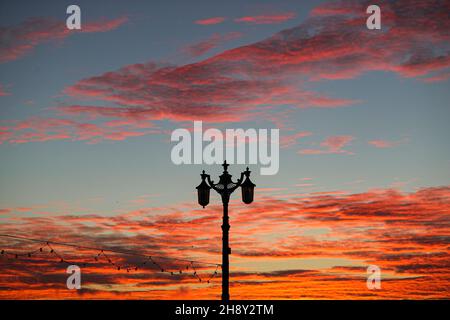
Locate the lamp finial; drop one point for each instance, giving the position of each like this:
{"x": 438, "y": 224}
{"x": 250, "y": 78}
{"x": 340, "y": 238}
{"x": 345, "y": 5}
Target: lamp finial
{"x": 225, "y": 166}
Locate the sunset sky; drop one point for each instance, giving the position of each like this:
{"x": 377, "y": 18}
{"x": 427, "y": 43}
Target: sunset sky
{"x": 85, "y": 124}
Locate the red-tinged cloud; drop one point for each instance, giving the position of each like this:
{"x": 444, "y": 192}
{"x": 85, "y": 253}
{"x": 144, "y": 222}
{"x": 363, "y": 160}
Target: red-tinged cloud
{"x": 384, "y": 144}
{"x": 327, "y": 102}
{"x": 314, "y": 246}
{"x": 438, "y": 78}
{"x": 210, "y": 21}
{"x": 104, "y": 25}
{"x": 288, "y": 140}
{"x": 216, "y": 40}
{"x": 38, "y": 129}
{"x": 331, "y": 145}
{"x": 331, "y": 9}
{"x": 261, "y": 79}
{"x": 17, "y": 41}
{"x": 267, "y": 19}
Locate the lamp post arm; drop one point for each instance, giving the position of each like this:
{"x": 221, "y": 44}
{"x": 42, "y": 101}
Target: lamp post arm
{"x": 238, "y": 182}
{"x": 211, "y": 183}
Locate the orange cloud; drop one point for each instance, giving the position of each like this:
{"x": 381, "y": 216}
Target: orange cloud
{"x": 306, "y": 246}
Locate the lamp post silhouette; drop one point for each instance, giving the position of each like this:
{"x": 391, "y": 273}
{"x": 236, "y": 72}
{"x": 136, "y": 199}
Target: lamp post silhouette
{"x": 225, "y": 187}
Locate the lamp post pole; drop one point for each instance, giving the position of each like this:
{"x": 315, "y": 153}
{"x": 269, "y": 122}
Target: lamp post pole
{"x": 225, "y": 187}
{"x": 226, "y": 250}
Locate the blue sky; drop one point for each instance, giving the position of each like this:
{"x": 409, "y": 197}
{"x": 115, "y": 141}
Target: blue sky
{"x": 390, "y": 107}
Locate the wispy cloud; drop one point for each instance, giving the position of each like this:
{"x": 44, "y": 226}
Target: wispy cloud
{"x": 332, "y": 144}
{"x": 39, "y": 129}
{"x": 17, "y": 41}
{"x": 288, "y": 140}
{"x": 202, "y": 47}
{"x": 267, "y": 19}
{"x": 385, "y": 144}
{"x": 210, "y": 21}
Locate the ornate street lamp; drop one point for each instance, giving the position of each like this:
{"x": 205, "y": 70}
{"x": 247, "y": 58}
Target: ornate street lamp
{"x": 225, "y": 187}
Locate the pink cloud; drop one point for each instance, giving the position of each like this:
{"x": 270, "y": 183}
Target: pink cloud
{"x": 330, "y": 9}
{"x": 327, "y": 102}
{"x": 19, "y": 40}
{"x": 38, "y": 129}
{"x": 383, "y": 144}
{"x": 268, "y": 72}
{"x": 202, "y": 47}
{"x": 304, "y": 185}
{"x": 291, "y": 139}
{"x": 258, "y": 79}
{"x": 210, "y": 21}
{"x": 439, "y": 77}
{"x": 336, "y": 143}
{"x": 332, "y": 144}
{"x": 267, "y": 19}
{"x": 104, "y": 25}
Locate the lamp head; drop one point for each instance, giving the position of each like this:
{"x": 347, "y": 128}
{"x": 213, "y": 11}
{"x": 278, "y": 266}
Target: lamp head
{"x": 248, "y": 188}
{"x": 203, "y": 191}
